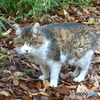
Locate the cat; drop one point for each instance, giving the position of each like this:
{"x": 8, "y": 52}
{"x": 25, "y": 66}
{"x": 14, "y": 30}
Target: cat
{"x": 55, "y": 45}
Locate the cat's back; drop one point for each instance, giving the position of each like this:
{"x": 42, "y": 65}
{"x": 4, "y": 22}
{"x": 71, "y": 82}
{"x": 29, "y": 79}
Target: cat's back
{"x": 65, "y": 29}
{"x": 75, "y": 38}
{"x": 63, "y": 25}
{"x": 66, "y": 26}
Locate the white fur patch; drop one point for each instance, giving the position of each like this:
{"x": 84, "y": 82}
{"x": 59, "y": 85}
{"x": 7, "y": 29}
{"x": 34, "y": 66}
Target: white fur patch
{"x": 55, "y": 68}
{"x": 45, "y": 71}
{"x": 25, "y": 49}
{"x": 43, "y": 50}
{"x": 72, "y": 61}
{"x": 63, "y": 57}
{"x": 36, "y": 28}
{"x": 17, "y": 29}
{"x": 82, "y": 66}
{"x": 85, "y": 60}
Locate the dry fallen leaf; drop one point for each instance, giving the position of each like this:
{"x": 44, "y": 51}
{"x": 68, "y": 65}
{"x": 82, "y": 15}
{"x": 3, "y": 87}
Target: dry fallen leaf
{"x": 86, "y": 10}
{"x": 31, "y": 93}
{"x": 24, "y": 87}
{"x": 11, "y": 68}
{"x": 7, "y": 71}
{"x": 46, "y": 84}
{"x": 35, "y": 67}
{"x": 63, "y": 90}
{"x": 63, "y": 76}
{"x": 2, "y": 85}
{"x": 93, "y": 89}
{"x": 43, "y": 93}
{"x": 97, "y": 51}
{"x": 94, "y": 77}
{"x": 96, "y": 84}
{"x": 4, "y": 93}
{"x": 45, "y": 17}
{"x": 71, "y": 87}
{"x": 57, "y": 94}
{"x": 16, "y": 74}
{"x": 65, "y": 12}
{"x": 90, "y": 20}
{"x": 82, "y": 88}
{"x": 7, "y": 32}
{"x": 38, "y": 85}
{"x": 15, "y": 99}
{"x": 15, "y": 82}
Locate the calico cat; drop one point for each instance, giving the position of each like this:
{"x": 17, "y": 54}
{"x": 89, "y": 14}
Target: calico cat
{"x": 55, "y": 45}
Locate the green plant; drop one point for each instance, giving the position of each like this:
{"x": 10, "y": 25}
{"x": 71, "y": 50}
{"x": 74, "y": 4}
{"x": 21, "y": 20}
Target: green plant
{"x": 9, "y": 6}
{"x": 3, "y": 23}
{"x": 26, "y": 73}
{"x": 33, "y": 8}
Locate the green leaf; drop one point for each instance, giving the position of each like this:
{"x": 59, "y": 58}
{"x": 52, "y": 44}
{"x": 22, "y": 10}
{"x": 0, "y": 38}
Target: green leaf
{"x": 0, "y": 32}
{"x": 2, "y": 25}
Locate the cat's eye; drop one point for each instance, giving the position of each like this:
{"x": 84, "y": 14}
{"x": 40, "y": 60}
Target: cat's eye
{"x": 30, "y": 44}
{"x": 20, "y": 43}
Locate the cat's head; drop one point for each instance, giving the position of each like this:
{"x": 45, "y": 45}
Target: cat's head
{"x": 27, "y": 38}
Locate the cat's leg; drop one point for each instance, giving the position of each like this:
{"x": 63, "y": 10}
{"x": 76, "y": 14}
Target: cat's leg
{"x": 45, "y": 71}
{"x": 84, "y": 64}
{"x": 55, "y": 68}
{"x": 75, "y": 72}
{"x": 82, "y": 75}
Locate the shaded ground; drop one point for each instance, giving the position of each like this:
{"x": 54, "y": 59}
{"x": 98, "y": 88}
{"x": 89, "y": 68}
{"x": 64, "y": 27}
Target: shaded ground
{"x": 19, "y": 78}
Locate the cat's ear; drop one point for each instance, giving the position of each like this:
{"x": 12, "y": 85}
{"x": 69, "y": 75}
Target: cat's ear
{"x": 36, "y": 28}
{"x": 18, "y": 30}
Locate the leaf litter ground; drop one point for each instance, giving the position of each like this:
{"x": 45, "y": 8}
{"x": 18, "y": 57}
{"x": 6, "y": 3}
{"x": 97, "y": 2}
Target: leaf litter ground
{"x": 19, "y": 77}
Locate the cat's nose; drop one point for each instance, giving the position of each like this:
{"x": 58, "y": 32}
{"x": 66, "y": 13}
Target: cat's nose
{"x": 26, "y": 50}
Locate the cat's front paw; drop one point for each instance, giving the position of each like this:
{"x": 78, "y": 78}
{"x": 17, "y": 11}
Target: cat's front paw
{"x": 42, "y": 77}
{"x": 53, "y": 84}
{"x": 78, "y": 79}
